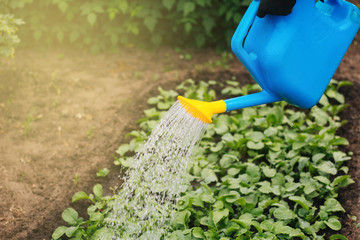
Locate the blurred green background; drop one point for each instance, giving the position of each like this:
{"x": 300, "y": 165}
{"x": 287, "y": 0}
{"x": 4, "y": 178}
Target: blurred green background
{"x": 97, "y": 25}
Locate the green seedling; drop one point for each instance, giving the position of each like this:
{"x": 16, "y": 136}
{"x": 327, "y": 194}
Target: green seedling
{"x": 90, "y": 133}
{"x": 138, "y": 75}
{"x": 156, "y": 77}
{"x": 28, "y": 122}
{"x": 76, "y": 179}
{"x": 79, "y": 228}
{"x": 52, "y": 85}
{"x": 188, "y": 57}
{"x": 103, "y": 172}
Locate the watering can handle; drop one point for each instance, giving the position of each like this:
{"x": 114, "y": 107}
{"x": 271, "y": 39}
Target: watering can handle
{"x": 237, "y": 43}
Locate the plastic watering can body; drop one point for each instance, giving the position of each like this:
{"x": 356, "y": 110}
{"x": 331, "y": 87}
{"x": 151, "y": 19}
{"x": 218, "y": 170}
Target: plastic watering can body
{"x": 294, "y": 57}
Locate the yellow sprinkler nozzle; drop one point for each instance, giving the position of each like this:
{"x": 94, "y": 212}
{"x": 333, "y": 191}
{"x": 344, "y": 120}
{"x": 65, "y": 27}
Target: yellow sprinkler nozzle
{"x": 202, "y": 110}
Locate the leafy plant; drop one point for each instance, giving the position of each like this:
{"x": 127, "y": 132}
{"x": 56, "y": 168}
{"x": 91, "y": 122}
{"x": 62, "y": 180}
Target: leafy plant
{"x": 97, "y": 24}
{"x": 266, "y": 172}
{"x": 28, "y": 122}
{"x": 8, "y": 38}
{"x": 103, "y": 172}
{"x": 84, "y": 229}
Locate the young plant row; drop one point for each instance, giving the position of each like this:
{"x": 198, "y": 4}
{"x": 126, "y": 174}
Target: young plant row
{"x": 266, "y": 172}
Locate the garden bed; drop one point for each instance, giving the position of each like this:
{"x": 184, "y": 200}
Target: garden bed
{"x": 63, "y": 115}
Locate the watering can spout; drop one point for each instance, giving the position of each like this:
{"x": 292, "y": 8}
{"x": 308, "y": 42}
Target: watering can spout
{"x": 250, "y": 100}
{"x": 204, "y": 111}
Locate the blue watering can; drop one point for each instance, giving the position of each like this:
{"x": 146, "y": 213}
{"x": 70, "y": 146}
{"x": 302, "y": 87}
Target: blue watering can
{"x": 292, "y": 58}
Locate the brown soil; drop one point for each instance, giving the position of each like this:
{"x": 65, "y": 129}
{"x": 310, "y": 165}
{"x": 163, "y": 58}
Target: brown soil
{"x": 62, "y": 116}
{"x": 64, "y": 113}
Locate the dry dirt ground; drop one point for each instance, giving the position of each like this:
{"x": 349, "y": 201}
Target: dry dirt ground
{"x": 63, "y": 114}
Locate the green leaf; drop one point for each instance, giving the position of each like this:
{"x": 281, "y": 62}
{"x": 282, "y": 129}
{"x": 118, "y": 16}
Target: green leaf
{"x": 221, "y": 124}
{"x": 270, "y": 131}
{"x": 123, "y": 149}
{"x": 201, "y": 2}
{"x": 318, "y": 157}
{"x": 340, "y": 157}
{"x": 301, "y": 201}
{"x": 332, "y": 205}
{"x": 344, "y": 83}
{"x": 91, "y": 210}
{"x": 339, "y": 141}
{"x": 123, "y": 5}
{"x": 182, "y": 217}
{"x": 342, "y": 181}
{"x": 322, "y": 179}
{"x": 327, "y": 167}
{"x": 98, "y": 191}
{"x": 189, "y": 7}
{"x": 197, "y": 232}
{"x": 255, "y": 136}
{"x": 103, "y": 172}
{"x": 96, "y": 217}
{"x": 200, "y": 40}
{"x": 219, "y": 146}
{"x": 279, "y": 228}
{"x": 207, "y": 197}
{"x": 253, "y": 172}
{"x": 265, "y": 187}
{"x": 74, "y": 35}
{"x": 208, "y": 175}
{"x": 150, "y": 23}
{"x": 59, "y": 232}
{"x": 227, "y": 160}
{"x": 332, "y": 93}
{"x": 79, "y": 195}
{"x": 208, "y": 23}
{"x": 63, "y": 6}
{"x": 338, "y": 237}
{"x": 255, "y": 146}
{"x": 168, "y": 4}
{"x": 320, "y": 116}
{"x": 219, "y": 215}
{"x": 103, "y": 233}
{"x": 157, "y": 39}
{"x": 70, "y": 216}
{"x": 91, "y": 18}
{"x": 283, "y": 213}
{"x": 70, "y": 231}
{"x": 268, "y": 172}
{"x": 333, "y": 223}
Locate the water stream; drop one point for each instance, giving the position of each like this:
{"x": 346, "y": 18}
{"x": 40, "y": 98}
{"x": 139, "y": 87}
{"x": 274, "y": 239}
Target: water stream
{"x": 145, "y": 204}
